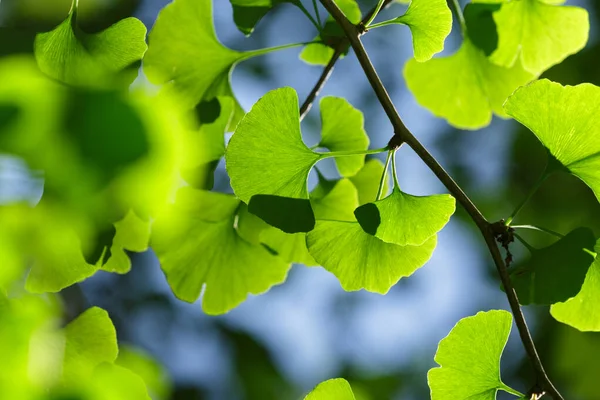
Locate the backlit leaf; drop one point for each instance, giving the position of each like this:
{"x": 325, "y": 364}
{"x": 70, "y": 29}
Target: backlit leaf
{"x": 367, "y": 181}
{"x": 333, "y": 389}
{"x": 199, "y": 247}
{"x": 566, "y": 121}
{"x": 75, "y": 57}
{"x": 469, "y": 358}
{"x": 247, "y": 13}
{"x": 540, "y": 33}
{"x": 132, "y": 234}
{"x": 464, "y": 88}
{"x": 404, "y": 219}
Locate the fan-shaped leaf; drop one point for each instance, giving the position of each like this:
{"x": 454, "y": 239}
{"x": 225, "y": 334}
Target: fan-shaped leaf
{"x": 362, "y": 261}
{"x": 367, "y": 181}
{"x": 333, "y": 389}
{"x": 555, "y": 273}
{"x": 464, "y": 88}
{"x": 566, "y": 121}
{"x": 582, "y": 311}
{"x": 404, "y": 219}
{"x": 78, "y": 58}
{"x": 469, "y": 358}
{"x": 539, "y": 33}
{"x": 199, "y": 246}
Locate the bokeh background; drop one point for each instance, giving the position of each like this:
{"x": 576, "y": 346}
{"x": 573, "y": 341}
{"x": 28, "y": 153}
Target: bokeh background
{"x": 281, "y": 344}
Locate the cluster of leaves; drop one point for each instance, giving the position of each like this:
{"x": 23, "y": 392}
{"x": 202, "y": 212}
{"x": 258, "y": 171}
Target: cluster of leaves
{"x": 124, "y": 170}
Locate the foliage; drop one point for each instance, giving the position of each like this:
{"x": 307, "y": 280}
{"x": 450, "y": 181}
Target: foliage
{"x": 126, "y": 169}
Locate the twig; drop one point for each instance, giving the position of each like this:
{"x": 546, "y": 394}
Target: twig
{"x": 353, "y": 34}
{"x": 339, "y": 50}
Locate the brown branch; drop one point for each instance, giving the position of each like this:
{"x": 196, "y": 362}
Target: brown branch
{"x": 353, "y": 34}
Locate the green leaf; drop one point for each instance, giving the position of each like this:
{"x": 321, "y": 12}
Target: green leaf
{"x": 555, "y": 273}
{"x": 317, "y": 54}
{"x": 481, "y": 26}
{"x": 78, "y": 58}
{"x": 247, "y": 13}
{"x": 469, "y": 359}
{"x": 336, "y": 202}
{"x": 91, "y": 340}
{"x": 404, "y": 219}
{"x": 133, "y": 234}
{"x": 333, "y": 389}
{"x": 153, "y": 373}
{"x": 565, "y": 120}
{"x": 464, "y": 88}
{"x": 582, "y": 311}
{"x": 288, "y": 214}
{"x": 185, "y": 55}
{"x": 539, "y": 33}
{"x": 360, "y": 260}
{"x": 367, "y": 181}
{"x": 199, "y": 247}
{"x": 430, "y": 22}
{"x": 269, "y": 140}
{"x": 114, "y": 382}
{"x": 343, "y": 130}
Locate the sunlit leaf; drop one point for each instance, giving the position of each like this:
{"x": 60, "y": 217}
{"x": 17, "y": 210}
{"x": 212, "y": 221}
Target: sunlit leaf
{"x": 582, "y": 311}
{"x": 91, "y": 340}
{"x": 342, "y": 130}
{"x": 540, "y": 33}
{"x": 247, "y": 13}
{"x": 362, "y": 261}
{"x": 555, "y": 273}
{"x": 404, "y": 219}
{"x": 430, "y": 22}
{"x": 565, "y": 120}
{"x": 333, "y": 389}
{"x": 269, "y": 140}
{"x": 464, "y": 88}
{"x": 199, "y": 247}
{"x": 132, "y": 234}
{"x": 469, "y": 358}
{"x": 185, "y": 55}
{"x": 75, "y": 57}
{"x": 150, "y": 370}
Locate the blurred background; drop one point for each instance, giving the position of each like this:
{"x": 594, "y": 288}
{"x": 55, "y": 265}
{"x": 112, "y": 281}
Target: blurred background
{"x": 281, "y": 344}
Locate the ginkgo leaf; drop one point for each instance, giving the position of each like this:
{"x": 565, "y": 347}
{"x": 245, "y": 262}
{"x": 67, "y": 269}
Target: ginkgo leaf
{"x": 539, "y": 33}
{"x": 469, "y": 359}
{"x": 464, "y": 88}
{"x": 115, "y": 382}
{"x": 78, "y": 58}
{"x": 247, "y": 13}
{"x": 269, "y": 140}
{"x": 362, "y": 261}
{"x": 404, "y": 219}
{"x": 90, "y": 340}
{"x": 335, "y": 203}
{"x": 342, "y": 130}
{"x": 199, "y": 247}
{"x": 132, "y": 234}
{"x": 185, "y": 55}
{"x": 566, "y": 121}
{"x": 555, "y": 273}
{"x": 581, "y": 311}
{"x": 332, "y": 389}
{"x": 153, "y": 373}
{"x": 367, "y": 181}
{"x": 430, "y": 22}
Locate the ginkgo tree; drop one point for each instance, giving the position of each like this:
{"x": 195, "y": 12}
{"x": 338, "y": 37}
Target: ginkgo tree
{"x": 128, "y": 169}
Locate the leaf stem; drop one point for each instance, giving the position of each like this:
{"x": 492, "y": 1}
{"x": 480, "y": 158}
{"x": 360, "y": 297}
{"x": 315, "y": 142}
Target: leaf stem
{"x": 512, "y": 391}
{"x": 390, "y": 155}
{"x": 261, "y": 52}
{"x": 384, "y": 23}
{"x": 486, "y": 228}
{"x": 308, "y": 15}
{"x": 394, "y": 173}
{"x": 374, "y": 14}
{"x": 461, "y": 18}
{"x": 316, "y": 8}
{"x": 533, "y": 190}
{"x": 352, "y": 153}
{"x": 540, "y": 229}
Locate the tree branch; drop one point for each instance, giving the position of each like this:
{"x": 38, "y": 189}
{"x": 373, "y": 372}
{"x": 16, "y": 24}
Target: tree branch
{"x": 339, "y": 50}
{"x": 488, "y": 230}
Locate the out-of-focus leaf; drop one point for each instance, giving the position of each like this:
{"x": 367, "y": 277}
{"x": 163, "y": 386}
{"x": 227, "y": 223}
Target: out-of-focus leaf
{"x": 333, "y": 389}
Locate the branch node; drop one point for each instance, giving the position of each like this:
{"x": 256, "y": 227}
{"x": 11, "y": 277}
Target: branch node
{"x": 505, "y": 236}
{"x": 395, "y": 142}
